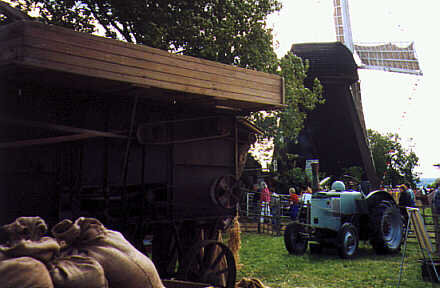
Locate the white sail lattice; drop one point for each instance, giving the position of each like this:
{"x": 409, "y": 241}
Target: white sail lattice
{"x": 398, "y": 57}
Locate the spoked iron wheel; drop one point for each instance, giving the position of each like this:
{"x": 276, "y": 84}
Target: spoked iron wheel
{"x": 166, "y": 254}
{"x": 210, "y": 262}
{"x": 225, "y": 191}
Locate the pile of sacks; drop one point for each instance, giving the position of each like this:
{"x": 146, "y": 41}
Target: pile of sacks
{"x": 80, "y": 254}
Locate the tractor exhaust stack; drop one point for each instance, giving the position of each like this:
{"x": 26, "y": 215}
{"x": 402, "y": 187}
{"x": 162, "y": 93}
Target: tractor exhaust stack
{"x": 315, "y": 178}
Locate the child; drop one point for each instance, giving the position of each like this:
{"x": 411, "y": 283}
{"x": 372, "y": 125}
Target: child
{"x": 294, "y": 203}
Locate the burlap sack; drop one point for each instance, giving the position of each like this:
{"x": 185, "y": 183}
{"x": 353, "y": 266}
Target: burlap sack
{"x": 124, "y": 266}
{"x": 24, "y": 228}
{"x": 43, "y": 250}
{"x": 24, "y": 237}
{"x": 24, "y": 272}
{"x": 77, "y": 272}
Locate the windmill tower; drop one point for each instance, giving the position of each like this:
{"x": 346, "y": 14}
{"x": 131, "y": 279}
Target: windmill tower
{"x": 387, "y": 56}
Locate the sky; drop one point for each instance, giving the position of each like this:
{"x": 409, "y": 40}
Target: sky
{"x": 392, "y": 102}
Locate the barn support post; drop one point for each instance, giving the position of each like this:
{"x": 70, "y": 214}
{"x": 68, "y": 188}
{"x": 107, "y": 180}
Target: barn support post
{"x": 80, "y": 175}
{"x": 105, "y": 185}
{"x": 236, "y": 152}
{"x": 125, "y": 164}
{"x": 143, "y": 190}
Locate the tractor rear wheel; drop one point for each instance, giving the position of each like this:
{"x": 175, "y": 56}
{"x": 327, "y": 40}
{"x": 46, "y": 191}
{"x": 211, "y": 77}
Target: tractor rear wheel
{"x": 294, "y": 239}
{"x": 386, "y": 227}
{"x": 348, "y": 241}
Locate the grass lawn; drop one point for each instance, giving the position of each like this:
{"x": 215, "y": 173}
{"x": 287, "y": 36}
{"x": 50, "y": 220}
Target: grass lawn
{"x": 265, "y": 257}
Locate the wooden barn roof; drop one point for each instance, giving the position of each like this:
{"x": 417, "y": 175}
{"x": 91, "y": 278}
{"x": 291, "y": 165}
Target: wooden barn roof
{"x": 86, "y": 61}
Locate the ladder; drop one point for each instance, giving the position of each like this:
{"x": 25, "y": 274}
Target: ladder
{"x": 425, "y": 244}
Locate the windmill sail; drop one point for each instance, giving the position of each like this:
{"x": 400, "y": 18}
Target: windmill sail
{"x": 342, "y": 23}
{"x": 394, "y": 57}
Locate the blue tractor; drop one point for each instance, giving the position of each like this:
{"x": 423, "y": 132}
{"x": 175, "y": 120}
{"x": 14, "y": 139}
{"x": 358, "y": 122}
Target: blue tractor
{"x": 340, "y": 219}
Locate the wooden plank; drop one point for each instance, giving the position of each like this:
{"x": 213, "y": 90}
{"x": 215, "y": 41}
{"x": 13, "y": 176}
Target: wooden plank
{"x": 171, "y": 283}
{"x": 51, "y": 32}
{"x": 52, "y": 65}
{"x": 11, "y": 31}
{"x": 92, "y": 64}
{"x": 183, "y": 141}
{"x": 45, "y": 141}
{"x": 68, "y": 51}
{"x": 157, "y": 79}
{"x": 149, "y": 64}
{"x": 10, "y": 50}
{"x": 129, "y": 50}
{"x": 420, "y": 229}
{"x": 57, "y": 127}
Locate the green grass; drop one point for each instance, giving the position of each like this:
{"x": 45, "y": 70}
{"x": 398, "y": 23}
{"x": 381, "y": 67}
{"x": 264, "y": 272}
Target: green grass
{"x": 265, "y": 257}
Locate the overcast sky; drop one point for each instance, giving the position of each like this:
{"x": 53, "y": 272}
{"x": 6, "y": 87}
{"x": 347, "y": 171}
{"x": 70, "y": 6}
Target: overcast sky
{"x": 392, "y": 102}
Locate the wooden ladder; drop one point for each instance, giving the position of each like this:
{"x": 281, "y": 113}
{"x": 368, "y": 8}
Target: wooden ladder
{"x": 422, "y": 235}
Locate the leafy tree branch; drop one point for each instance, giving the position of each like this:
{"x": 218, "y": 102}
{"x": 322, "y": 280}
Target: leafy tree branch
{"x": 394, "y": 164}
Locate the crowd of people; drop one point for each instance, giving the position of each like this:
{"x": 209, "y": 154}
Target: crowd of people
{"x": 266, "y": 202}
{"x": 408, "y": 196}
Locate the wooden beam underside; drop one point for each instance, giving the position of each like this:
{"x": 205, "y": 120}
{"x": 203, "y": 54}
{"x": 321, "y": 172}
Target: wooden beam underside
{"x": 81, "y": 133}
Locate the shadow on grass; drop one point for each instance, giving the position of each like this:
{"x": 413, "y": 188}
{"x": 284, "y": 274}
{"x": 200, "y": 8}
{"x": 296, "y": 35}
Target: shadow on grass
{"x": 331, "y": 253}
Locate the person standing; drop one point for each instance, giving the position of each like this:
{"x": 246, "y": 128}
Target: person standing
{"x": 306, "y": 195}
{"x": 256, "y": 201}
{"x": 294, "y": 203}
{"x": 436, "y": 200}
{"x": 435, "y": 215}
{"x": 275, "y": 211}
{"x": 265, "y": 201}
{"x": 413, "y": 196}
{"x": 404, "y": 201}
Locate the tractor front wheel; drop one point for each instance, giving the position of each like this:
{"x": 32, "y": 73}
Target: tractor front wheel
{"x": 348, "y": 241}
{"x": 295, "y": 239}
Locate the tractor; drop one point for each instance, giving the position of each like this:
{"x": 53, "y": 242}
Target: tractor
{"x": 340, "y": 219}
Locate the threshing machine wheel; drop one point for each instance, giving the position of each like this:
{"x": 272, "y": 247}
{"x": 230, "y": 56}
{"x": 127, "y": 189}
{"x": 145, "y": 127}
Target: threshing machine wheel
{"x": 210, "y": 262}
{"x": 225, "y": 191}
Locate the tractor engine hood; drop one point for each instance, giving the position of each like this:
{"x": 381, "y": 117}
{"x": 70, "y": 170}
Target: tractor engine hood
{"x": 342, "y": 203}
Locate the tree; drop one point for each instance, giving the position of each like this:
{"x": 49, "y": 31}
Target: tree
{"x": 394, "y": 165}
{"x": 229, "y": 31}
{"x": 436, "y": 183}
{"x": 353, "y": 173}
{"x": 283, "y": 125}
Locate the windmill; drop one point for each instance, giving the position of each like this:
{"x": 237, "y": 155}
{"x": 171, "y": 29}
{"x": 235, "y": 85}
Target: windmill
{"x": 398, "y": 57}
